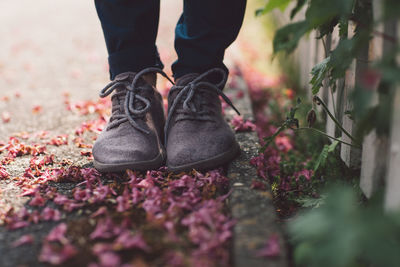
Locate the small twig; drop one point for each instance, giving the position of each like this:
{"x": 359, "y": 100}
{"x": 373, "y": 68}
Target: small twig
{"x": 334, "y": 119}
{"x": 272, "y": 137}
{"x": 333, "y": 101}
{"x": 385, "y": 36}
{"x": 327, "y": 135}
{"x": 325, "y": 48}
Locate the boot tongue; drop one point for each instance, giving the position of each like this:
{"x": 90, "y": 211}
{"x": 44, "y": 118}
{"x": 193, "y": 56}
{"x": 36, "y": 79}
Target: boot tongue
{"x": 128, "y": 77}
{"x": 144, "y": 89}
{"x": 184, "y": 80}
{"x": 125, "y": 76}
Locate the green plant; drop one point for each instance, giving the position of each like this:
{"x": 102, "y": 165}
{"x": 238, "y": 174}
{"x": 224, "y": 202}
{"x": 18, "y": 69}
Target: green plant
{"x": 344, "y": 232}
{"x": 323, "y": 16}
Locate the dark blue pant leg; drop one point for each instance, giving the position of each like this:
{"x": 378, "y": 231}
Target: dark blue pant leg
{"x": 205, "y": 29}
{"x": 130, "y": 30}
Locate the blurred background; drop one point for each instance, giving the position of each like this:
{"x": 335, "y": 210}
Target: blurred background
{"x": 51, "y": 49}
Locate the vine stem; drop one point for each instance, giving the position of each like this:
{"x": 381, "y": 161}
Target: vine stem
{"x": 334, "y": 119}
{"x": 325, "y": 48}
{"x": 333, "y": 101}
{"x": 327, "y": 135}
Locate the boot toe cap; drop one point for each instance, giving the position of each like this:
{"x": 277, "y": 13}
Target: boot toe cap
{"x": 200, "y": 151}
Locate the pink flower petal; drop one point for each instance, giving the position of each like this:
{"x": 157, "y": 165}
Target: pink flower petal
{"x": 58, "y": 234}
{"x": 272, "y": 248}
{"x": 23, "y": 240}
{"x": 51, "y": 254}
{"x": 241, "y": 125}
{"x": 127, "y": 240}
{"x": 37, "y": 200}
{"x": 109, "y": 259}
{"x": 49, "y": 214}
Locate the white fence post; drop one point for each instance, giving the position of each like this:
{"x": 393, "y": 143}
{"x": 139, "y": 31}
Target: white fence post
{"x": 392, "y": 197}
{"x": 374, "y": 147}
{"x": 351, "y": 155}
{"x": 332, "y": 99}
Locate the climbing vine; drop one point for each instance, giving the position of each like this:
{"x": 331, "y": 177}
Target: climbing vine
{"x": 356, "y": 23}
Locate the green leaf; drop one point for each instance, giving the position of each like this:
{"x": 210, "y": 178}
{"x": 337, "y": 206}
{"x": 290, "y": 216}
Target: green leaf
{"x": 322, "y": 11}
{"x": 342, "y": 57}
{"x": 297, "y": 8}
{"x": 327, "y": 27}
{"x": 319, "y": 72}
{"x": 287, "y": 37}
{"x": 271, "y": 5}
{"x": 363, "y": 235}
{"x": 310, "y": 202}
{"x": 343, "y": 28}
{"x": 322, "y": 158}
{"x": 321, "y": 161}
{"x": 260, "y": 12}
{"x": 332, "y": 146}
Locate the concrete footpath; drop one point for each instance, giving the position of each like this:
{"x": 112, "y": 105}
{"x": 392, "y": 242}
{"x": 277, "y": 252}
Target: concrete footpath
{"x": 53, "y": 55}
{"x": 251, "y": 203}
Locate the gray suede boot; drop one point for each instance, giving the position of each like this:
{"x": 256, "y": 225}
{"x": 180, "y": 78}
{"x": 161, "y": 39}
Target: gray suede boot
{"x": 197, "y": 135}
{"x": 133, "y": 136}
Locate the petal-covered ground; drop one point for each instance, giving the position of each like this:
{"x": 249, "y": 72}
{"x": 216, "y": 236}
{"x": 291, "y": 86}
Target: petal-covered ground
{"x": 57, "y": 207}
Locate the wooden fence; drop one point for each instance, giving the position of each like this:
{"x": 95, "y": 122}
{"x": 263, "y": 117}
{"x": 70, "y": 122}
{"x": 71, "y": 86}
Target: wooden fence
{"x": 379, "y": 158}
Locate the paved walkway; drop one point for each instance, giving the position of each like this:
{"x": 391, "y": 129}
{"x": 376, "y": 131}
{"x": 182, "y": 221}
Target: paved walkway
{"x": 52, "y": 66}
{"x": 52, "y": 48}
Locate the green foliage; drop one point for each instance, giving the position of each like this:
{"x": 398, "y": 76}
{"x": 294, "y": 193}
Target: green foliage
{"x": 309, "y": 202}
{"x": 306, "y": 192}
{"x": 387, "y": 66}
{"x": 319, "y": 73}
{"x": 320, "y": 12}
{"x": 338, "y": 230}
{"x": 288, "y": 37}
{"x": 323, "y": 16}
{"x": 300, "y": 4}
{"x": 271, "y": 5}
{"x": 321, "y": 161}
{"x": 341, "y": 58}
{"x": 290, "y": 122}
{"x": 341, "y": 232}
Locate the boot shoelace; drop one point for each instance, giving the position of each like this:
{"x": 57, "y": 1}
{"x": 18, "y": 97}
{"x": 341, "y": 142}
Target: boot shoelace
{"x": 131, "y": 106}
{"x": 187, "y": 96}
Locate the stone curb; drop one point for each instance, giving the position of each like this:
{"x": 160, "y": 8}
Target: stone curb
{"x": 252, "y": 209}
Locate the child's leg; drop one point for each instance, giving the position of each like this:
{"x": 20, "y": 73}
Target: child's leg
{"x": 205, "y": 29}
{"x": 198, "y": 137}
{"x": 133, "y": 136}
{"x": 130, "y": 30}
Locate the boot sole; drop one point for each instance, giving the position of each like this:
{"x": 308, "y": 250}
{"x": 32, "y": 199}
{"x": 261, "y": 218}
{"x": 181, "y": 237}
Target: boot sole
{"x": 211, "y": 163}
{"x": 153, "y": 164}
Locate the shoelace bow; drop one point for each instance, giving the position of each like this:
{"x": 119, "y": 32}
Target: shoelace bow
{"x": 191, "y": 89}
{"x": 132, "y": 97}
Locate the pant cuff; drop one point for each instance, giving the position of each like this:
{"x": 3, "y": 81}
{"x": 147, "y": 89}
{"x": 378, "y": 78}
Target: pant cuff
{"x": 134, "y": 59}
{"x": 178, "y": 72}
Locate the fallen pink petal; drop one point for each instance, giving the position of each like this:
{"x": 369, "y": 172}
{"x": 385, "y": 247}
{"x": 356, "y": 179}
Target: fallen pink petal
{"x": 23, "y": 240}
{"x": 272, "y": 248}
{"x": 55, "y": 255}
{"x": 58, "y": 234}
